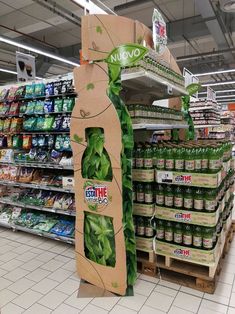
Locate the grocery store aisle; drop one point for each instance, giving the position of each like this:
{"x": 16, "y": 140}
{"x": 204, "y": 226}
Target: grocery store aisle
{"x": 38, "y": 276}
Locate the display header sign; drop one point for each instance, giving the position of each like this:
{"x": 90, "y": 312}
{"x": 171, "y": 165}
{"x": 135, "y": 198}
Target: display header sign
{"x": 126, "y": 55}
{"x": 211, "y": 94}
{"x": 159, "y": 32}
{"x": 25, "y": 65}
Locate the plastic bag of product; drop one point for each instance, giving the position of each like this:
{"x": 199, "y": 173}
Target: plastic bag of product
{"x": 58, "y": 105}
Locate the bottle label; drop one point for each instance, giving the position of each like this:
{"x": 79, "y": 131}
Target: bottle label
{"x": 140, "y": 196}
{"x": 148, "y": 163}
{"x": 208, "y": 243}
{"x": 204, "y": 163}
{"x": 132, "y": 113}
{"x": 210, "y": 205}
{"x": 139, "y": 162}
{"x": 160, "y": 163}
{"x": 160, "y": 234}
{"x": 179, "y": 164}
{"x": 187, "y": 239}
{"x": 198, "y": 204}
{"x": 148, "y": 197}
{"x": 169, "y": 201}
{"x": 169, "y": 164}
{"x": 178, "y": 201}
{"x": 214, "y": 164}
{"x": 154, "y": 162}
{"x": 198, "y": 164}
{"x": 197, "y": 241}
{"x": 189, "y": 165}
{"x": 188, "y": 203}
{"x": 178, "y": 237}
{"x": 148, "y": 231}
{"x": 138, "y": 113}
{"x": 169, "y": 236}
{"x": 160, "y": 199}
{"x": 140, "y": 230}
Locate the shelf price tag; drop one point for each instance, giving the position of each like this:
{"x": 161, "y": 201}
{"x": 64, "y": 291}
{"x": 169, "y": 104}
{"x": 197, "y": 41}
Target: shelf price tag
{"x": 164, "y": 177}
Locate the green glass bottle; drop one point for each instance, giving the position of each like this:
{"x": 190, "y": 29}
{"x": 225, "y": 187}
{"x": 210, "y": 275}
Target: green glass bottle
{"x": 198, "y": 199}
{"x": 149, "y": 232}
{"x": 160, "y": 160}
{"x": 210, "y": 200}
{"x": 197, "y": 237}
{"x": 178, "y": 233}
{"x": 205, "y": 161}
{"x": 189, "y": 162}
{"x": 160, "y": 230}
{"x": 179, "y": 159}
{"x": 214, "y": 159}
{"x": 169, "y": 231}
{"x": 139, "y": 157}
{"x": 208, "y": 238}
{"x": 169, "y": 162}
{"x": 134, "y": 192}
{"x": 198, "y": 159}
{"x": 187, "y": 235}
{"x": 148, "y": 157}
{"x": 140, "y": 193}
{"x": 169, "y": 196}
{"x": 148, "y": 193}
{"x": 178, "y": 198}
{"x": 188, "y": 198}
{"x": 160, "y": 195}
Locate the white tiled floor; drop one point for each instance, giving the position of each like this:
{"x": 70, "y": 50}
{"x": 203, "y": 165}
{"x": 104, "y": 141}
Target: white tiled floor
{"x": 38, "y": 276}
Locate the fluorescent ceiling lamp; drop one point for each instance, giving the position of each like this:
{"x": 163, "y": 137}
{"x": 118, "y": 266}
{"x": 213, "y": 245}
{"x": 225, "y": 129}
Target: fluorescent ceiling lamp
{"x": 225, "y": 96}
{"x": 40, "y": 52}
{"x": 15, "y": 73}
{"x": 215, "y": 72}
{"x": 218, "y": 83}
{"x": 92, "y": 7}
{"x": 220, "y": 91}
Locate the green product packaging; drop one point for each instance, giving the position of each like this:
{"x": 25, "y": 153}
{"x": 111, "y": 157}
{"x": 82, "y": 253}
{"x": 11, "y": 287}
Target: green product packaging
{"x": 17, "y": 141}
{"x": 178, "y": 233}
{"x": 48, "y": 122}
{"x": 68, "y": 104}
{"x": 58, "y": 105}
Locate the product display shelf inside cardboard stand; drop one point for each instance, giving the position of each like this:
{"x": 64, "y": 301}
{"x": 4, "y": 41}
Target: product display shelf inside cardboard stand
{"x": 36, "y": 163}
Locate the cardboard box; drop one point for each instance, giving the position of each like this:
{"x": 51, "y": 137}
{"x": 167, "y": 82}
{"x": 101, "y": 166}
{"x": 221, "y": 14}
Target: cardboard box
{"x": 143, "y": 175}
{"x": 187, "y": 216}
{"x": 144, "y": 244}
{"x": 143, "y": 209}
{"x": 205, "y": 180}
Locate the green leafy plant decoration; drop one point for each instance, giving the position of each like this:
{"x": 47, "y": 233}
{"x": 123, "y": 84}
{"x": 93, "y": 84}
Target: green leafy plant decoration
{"x": 77, "y": 139}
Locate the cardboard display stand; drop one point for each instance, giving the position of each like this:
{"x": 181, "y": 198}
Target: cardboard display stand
{"x": 102, "y": 143}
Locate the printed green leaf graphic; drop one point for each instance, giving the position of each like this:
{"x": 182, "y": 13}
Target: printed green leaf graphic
{"x": 96, "y": 163}
{"x": 126, "y": 55}
{"x": 99, "y": 239}
{"x": 90, "y": 86}
{"x": 99, "y": 29}
{"x": 193, "y": 88}
{"x": 114, "y": 284}
{"x": 77, "y": 138}
{"x": 140, "y": 39}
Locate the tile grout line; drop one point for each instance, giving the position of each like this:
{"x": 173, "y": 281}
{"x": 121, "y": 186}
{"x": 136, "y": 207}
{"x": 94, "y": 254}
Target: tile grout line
{"x": 173, "y": 300}
{"x": 231, "y": 293}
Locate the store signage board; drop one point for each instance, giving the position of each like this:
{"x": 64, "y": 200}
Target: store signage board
{"x": 211, "y": 94}
{"x": 25, "y": 65}
{"x": 190, "y": 79}
{"x": 159, "y": 32}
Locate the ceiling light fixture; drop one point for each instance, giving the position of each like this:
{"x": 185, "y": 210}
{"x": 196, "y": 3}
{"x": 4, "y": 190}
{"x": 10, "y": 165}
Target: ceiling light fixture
{"x": 215, "y": 72}
{"x": 40, "y": 52}
{"x": 220, "y": 91}
{"x": 15, "y": 73}
{"x": 226, "y": 96}
{"x": 218, "y": 83}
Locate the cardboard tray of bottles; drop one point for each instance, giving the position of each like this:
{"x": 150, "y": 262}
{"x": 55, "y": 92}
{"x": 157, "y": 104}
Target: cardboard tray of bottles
{"x": 144, "y": 244}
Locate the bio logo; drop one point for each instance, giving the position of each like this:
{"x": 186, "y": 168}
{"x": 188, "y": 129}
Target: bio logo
{"x": 183, "y": 217}
{"x": 183, "y": 179}
{"x": 182, "y": 253}
{"x": 96, "y": 194}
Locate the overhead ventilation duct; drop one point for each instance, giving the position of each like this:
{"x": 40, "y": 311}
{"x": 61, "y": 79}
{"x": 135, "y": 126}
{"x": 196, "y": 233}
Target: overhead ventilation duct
{"x": 227, "y": 6}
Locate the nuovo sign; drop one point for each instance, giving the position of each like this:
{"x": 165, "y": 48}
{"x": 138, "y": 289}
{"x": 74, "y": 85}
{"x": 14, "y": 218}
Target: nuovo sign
{"x": 126, "y": 55}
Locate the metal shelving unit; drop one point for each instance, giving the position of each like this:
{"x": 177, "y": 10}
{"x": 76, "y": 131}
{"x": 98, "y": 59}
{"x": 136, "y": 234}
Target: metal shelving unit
{"x": 153, "y": 127}
{"x": 36, "y": 165}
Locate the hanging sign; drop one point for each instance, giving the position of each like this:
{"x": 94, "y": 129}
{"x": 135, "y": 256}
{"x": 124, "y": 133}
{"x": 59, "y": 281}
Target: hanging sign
{"x": 189, "y": 80}
{"x": 159, "y": 32}
{"x": 25, "y": 65}
{"x": 211, "y": 94}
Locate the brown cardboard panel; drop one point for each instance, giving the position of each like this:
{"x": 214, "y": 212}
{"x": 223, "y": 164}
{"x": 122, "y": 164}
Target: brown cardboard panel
{"x": 87, "y": 290}
{"x": 113, "y": 31}
{"x": 93, "y": 100}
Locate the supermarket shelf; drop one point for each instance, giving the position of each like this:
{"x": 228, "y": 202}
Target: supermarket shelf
{"x": 34, "y": 114}
{"x": 73, "y": 94}
{"x": 145, "y": 82}
{"x": 34, "y": 133}
{"x": 46, "y": 209}
{"x": 36, "y": 165}
{"x": 35, "y": 186}
{"x": 142, "y": 126}
{"x": 39, "y": 233}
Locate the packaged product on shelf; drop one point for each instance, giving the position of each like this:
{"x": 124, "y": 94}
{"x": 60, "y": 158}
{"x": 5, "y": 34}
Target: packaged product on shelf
{"x": 160, "y": 195}
{"x": 23, "y": 107}
{"x": 16, "y": 141}
{"x": 68, "y": 104}
{"x": 67, "y": 86}
{"x": 11, "y": 93}
{"x": 39, "y": 107}
{"x": 140, "y": 193}
{"x": 4, "y": 108}
{"x": 148, "y": 193}
{"x": 149, "y": 232}
{"x": 3, "y": 94}
{"x": 5, "y": 214}
{"x": 188, "y": 198}
{"x": 57, "y": 123}
{"x": 29, "y": 124}
{"x": 29, "y": 90}
{"x": 39, "y": 90}
{"x": 169, "y": 196}
{"x": 63, "y": 228}
{"x": 1, "y": 125}
{"x": 187, "y": 235}
{"x": 208, "y": 238}
{"x": 197, "y": 237}
{"x": 198, "y": 199}
{"x": 47, "y": 123}
{"x": 178, "y": 233}
{"x": 27, "y": 175}
{"x": 16, "y": 125}
{"x": 148, "y": 157}
{"x": 55, "y": 156}
{"x": 160, "y": 230}
{"x": 58, "y": 105}
{"x": 9, "y": 141}
{"x": 14, "y": 108}
{"x": 6, "y": 126}
{"x": 20, "y": 92}
{"x": 210, "y": 200}
{"x": 39, "y": 124}
{"x": 49, "y": 89}
{"x": 140, "y": 227}
{"x": 66, "y": 123}
{"x": 46, "y": 225}
{"x": 68, "y": 182}
{"x": 48, "y": 106}
{"x": 178, "y": 197}
{"x": 30, "y": 107}
{"x": 169, "y": 231}
{"x": 58, "y": 88}
{"x": 66, "y": 143}
{"x": 27, "y": 141}
{"x": 3, "y": 141}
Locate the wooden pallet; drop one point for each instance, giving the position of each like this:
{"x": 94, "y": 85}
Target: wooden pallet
{"x": 199, "y": 277}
